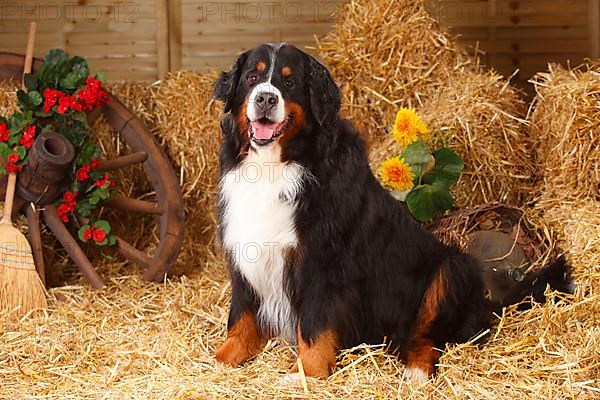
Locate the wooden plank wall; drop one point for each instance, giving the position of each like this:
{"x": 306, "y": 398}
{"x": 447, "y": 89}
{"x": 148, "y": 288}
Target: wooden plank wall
{"x": 213, "y": 33}
{"x": 144, "y": 39}
{"x": 126, "y": 39}
{"x": 522, "y": 34}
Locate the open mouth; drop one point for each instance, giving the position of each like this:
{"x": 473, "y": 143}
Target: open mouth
{"x": 263, "y": 131}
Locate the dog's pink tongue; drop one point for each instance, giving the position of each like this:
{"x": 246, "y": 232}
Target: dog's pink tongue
{"x": 263, "y": 131}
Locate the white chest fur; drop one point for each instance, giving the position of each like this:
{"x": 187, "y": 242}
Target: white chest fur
{"x": 258, "y": 201}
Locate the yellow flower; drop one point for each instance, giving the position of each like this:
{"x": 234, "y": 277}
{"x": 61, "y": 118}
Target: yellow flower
{"x": 397, "y": 174}
{"x": 409, "y": 127}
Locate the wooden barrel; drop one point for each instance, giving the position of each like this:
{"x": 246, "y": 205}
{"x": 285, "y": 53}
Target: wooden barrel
{"x": 43, "y": 178}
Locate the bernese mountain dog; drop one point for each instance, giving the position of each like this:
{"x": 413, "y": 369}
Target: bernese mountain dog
{"x": 318, "y": 252}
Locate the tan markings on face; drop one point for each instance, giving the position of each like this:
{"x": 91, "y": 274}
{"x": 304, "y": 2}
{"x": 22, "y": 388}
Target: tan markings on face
{"x": 298, "y": 122}
{"x": 243, "y": 128}
{"x": 286, "y": 71}
{"x": 260, "y": 66}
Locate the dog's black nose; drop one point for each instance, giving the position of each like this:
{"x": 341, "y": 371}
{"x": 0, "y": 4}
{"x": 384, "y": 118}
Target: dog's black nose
{"x": 266, "y": 100}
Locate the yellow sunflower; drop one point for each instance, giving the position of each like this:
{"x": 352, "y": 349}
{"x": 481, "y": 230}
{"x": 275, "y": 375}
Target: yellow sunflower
{"x": 409, "y": 127}
{"x": 397, "y": 174}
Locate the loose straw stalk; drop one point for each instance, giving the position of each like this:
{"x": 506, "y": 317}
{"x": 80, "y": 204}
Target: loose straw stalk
{"x": 21, "y": 290}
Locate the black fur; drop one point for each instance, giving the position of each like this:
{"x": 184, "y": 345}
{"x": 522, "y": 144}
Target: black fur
{"x": 365, "y": 263}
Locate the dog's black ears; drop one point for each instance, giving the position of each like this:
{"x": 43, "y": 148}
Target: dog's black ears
{"x": 227, "y": 83}
{"x": 324, "y": 95}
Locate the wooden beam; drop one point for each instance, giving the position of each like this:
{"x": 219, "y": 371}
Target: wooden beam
{"x": 162, "y": 37}
{"x": 594, "y": 28}
{"x": 175, "y": 37}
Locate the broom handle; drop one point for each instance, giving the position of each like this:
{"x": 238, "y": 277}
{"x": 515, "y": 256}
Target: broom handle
{"x": 10, "y": 196}
{"x": 12, "y": 178}
{"x": 29, "y": 51}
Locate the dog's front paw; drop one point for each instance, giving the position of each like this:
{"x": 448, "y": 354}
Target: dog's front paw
{"x": 290, "y": 379}
{"x": 232, "y": 352}
{"x": 416, "y": 375}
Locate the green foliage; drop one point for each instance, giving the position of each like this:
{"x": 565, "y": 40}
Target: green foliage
{"x": 417, "y": 155}
{"x": 65, "y": 76}
{"x": 434, "y": 175}
{"x": 424, "y": 201}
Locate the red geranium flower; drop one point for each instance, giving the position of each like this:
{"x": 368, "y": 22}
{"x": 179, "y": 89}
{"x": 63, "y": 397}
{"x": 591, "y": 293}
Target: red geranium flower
{"x": 11, "y": 168}
{"x": 99, "y": 235}
{"x": 28, "y": 137}
{"x": 69, "y": 198}
{"x": 83, "y": 173}
{"x": 13, "y": 158}
{"x": 63, "y": 210}
{"x": 4, "y": 132}
{"x": 67, "y": 103}
{"x": 103, "y": 181}
{"x": 51, "y": 96}
{"x": 88, "y": 233}
{"x": 94, "y": 163}
{"x": 92, "y": 95}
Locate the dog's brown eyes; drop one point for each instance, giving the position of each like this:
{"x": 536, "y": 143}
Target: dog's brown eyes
{"x": 252, "y": 78}
{"x": 289, "y": 83}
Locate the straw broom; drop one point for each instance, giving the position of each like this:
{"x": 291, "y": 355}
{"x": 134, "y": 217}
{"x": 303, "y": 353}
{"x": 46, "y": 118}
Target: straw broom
{"x": 21, "y": 290}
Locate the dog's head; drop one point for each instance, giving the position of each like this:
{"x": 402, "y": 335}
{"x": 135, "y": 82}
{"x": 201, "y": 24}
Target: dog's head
{"x": 274, "y": 91}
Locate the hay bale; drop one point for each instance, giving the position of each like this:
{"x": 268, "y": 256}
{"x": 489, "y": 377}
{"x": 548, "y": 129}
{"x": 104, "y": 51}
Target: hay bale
{"x": 565, "y": 124}
{"x": 406, "y": 59}
{"x": 187, "y": 123}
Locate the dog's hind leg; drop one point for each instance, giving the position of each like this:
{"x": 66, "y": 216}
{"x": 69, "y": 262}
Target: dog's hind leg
{"x": 421, "y": 355}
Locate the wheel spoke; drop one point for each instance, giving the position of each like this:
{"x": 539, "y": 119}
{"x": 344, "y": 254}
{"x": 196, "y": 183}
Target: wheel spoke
{"x": 128, "y": 204}
{"x": 71, "y": 246}
{"x": 35, "y": 239}
{"x": 123, "y": 161}
{"x": 132, "y": 254}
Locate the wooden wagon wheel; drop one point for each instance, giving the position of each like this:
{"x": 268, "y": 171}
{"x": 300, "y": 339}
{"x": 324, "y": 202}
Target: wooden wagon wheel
{"x": 145, "y": 151}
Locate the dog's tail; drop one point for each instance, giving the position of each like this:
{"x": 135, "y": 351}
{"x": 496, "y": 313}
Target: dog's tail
{"x": 556, "y": 274}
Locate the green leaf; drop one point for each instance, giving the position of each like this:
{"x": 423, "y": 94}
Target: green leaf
{"x": 80, "y": 66}
{"x": 83, "y": 207}
{"x": 104, "y": 225}
{"x": 400, "y": 196}
{"x": 21, "y": 151}
{"x": 81, "y": 231}
{"x": 41, "y": 114}
{"x": 416, "y": 153}
{"x": 101, "y": 76}
{"x": 55, "y": 57}
{"x": 112, "y": 240}
{"x": 71, "y": 81}
{"x": 23, "y": 100}
{"x": 35, "y": 98}
{"x": 80, "y": 116}
{"x": 447, "y": 169}
{"x": 5, "y": 150}
{"x": 14, "y": 139}
{"x": 426, "y": 200}
{"x": 31, "y": 81}
{"x": 102, "y": 243}
{"x": 47, "y": 128}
